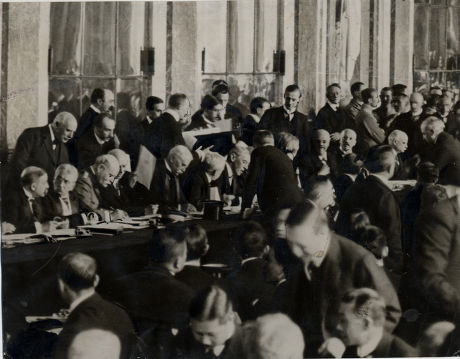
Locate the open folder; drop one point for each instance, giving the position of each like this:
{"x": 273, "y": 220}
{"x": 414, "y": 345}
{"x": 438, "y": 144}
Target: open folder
{"x": 145, "y": 166}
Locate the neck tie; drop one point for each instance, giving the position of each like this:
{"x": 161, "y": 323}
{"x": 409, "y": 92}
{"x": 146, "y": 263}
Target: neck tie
{"x": 67, "y": 203}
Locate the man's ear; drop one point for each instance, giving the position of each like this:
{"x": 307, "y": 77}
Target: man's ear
{"x": 232, "y": 157}
{"x": 33, "y": 187}
{"x": 385, "y": 251}
{"x": 96, "y": 281}
{"x": 367, "y": 322}
{"x": 100, "y": 101}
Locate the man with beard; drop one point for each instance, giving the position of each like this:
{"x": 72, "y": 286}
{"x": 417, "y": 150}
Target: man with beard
{"x": 211, "y": 111}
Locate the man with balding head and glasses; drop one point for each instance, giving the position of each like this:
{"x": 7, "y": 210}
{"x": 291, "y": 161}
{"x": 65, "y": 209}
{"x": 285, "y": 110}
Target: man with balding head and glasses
{"x": 88, "y": 189}
{"x": 43, "y": 147}
{"x": 329, "y": 266}
{"x": 442, "y": 149}
{"x": 77, "y": 280}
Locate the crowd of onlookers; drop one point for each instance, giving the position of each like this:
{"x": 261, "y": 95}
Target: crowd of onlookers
{"x": 338, "y": 264}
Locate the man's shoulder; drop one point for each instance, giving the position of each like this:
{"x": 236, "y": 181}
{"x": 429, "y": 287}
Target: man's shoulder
{"x": 34, "y": 132}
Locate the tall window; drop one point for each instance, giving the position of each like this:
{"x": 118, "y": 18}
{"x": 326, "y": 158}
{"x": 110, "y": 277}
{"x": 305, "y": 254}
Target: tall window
{"x": 237, "y": 40}
{"x": 437, "y": 43}
{"x": 95, "y": 44}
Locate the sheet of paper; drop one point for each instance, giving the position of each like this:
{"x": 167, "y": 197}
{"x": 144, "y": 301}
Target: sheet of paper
{"x": 189, "y": 139}
{"x": 145, "y": 166}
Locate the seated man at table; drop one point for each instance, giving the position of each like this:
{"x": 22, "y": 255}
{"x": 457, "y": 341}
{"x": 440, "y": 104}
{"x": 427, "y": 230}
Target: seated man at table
{"x": 88, "y": 189}
{"x": 22, "y": 209}
{"x": 61, "y": 201}
{"x": 270, "y": 175}
{"x": 166, "y": 182}
{"x": 154, "y": 297}
{"x": 237, "y": 166}
{"x": 206, "y": 180}
{"x": 126, "y": 192}
{"x": 361, "y": 328}
{"x": 78, "y": 279}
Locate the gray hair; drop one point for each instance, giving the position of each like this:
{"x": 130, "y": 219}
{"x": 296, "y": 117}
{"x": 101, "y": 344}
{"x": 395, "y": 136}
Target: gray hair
{"x": 181, "y": 152}
{"x": 395, "y": 134}
{"x": 66, "y": 168}
{"x": 435, "y": 123}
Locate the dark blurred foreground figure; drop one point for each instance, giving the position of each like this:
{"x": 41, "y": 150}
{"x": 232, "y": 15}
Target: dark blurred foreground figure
{"x": 213, "y": 325}
{"x": 361, "y": 320}
{"x": 330, "y": 266}
{"x": 77, "y": 279}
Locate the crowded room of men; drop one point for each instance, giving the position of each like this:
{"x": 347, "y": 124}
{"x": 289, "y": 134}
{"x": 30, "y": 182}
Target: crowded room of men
{"x": 259, "y": 179}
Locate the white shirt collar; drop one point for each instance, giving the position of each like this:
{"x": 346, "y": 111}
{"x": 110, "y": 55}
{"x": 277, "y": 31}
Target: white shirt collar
{"x": 248, "y": 260}
{"x": 167, "y": 166}
{"x": 291, "y": 113}
{"x": 28, "y": 194}
{"x": 334, "y": 106}
{"x": 95, "y": 108}
{"x": 318, "y": 259}
{"x": 80, "y": 299}
{"x": 173, "y": 113}
{"x": 52, "y": 133}
{"x": 370, "y": 346}
{"x": 419, "y": 112}
{"x": 381, "y": 178}
{"x": 149, "y": 120}
{"x": 209, "y": 123}
{"x": 255, "y": 117}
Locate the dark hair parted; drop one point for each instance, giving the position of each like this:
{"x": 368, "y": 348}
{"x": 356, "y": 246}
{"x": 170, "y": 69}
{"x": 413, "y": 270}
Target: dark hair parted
{"x": 251, "y": 239}
{"x": 211, "y": 303}
{"x": 167, "y": 245}
{"x": 197, "y": 241}
{"x": 77, "y": 270}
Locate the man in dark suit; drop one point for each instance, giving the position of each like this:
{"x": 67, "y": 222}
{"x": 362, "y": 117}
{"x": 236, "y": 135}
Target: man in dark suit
{"x": 43, "y": 147}
{"x": 382, "y": 208}
{"x": 354, "y": 107}
{"x": 441, "y": 149}
{"x": 154, "y": 297}
{"x": 409, "y": 123}
{"x": 270, "y": 175}
{"x": 237, "y": 166}
{"x": 101, "y": 101}
{"x": 453, "y": 122}
{"x": 330, "y": 117}
{"x": 21, "y": 208}
{"x": 166, "y": 185}
{"x": 211, "y": 111}
{"x": 287, "y": 119}
{"x": 398, "y": 141}
{"x": 78, "y": 279}
{"x": 127, "y": 127}
{"x": 330, "y": 266}
{"x": 361, "y": 327}
{"x": 167, "y": 129}
{"x": 258, "y": 106}
{"x": 368, "y": 130}
{"x": 62, "y": 202}
{"x": 221, "y": 92}
{"x": 347, "y": 142}
{"x": 99, "y": 140}
{"x": 444, "y": 108}
{"x": 246, "y": 285}
{"x": 154, "y": 107}
{"x": 385, "y": 112}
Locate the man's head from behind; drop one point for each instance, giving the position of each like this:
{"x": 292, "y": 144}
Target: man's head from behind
{"x": 263, "y": 138}
{"x": 64, "y": 126}
{"x": 65, "y": 178}
{"x": 77, "y": 273}
{"x": 197, "y": 242}
{"x": 239, "y": 158}
{"x": 381, "y": 160}
{"x": 307, "y": 232}
{"x": 106, "y": 168}
{"x": 322, "y": 193}
{"x": 398, "y": 139}
{"x": 168, "y": 249}
{"x": 427, "y": 173}
{"x": 356, "y": 89}
{"x": 95, "y": 344}
{"x": 251, "y": 240}
{"x": 104, "y": 127}
{"x": 154, "y": 107}
{"x": 178, "y": 159}
{"x": 271, "y": 336}
{"x": 361, "y": 316}
{"x": 431, "y": 128}
{"x": 123, "y": 160}
{"x": 35, "y": 180}
{"x": 212, "y": 318}
{"x": 214, "y": 165}
{"x": 289, "y": 144}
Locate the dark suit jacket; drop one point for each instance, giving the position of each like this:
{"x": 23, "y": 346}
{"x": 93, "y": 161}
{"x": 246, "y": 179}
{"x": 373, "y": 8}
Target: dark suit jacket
{"x": 248, "y": 128}
{"x": 383, "y": 211}
{"x": 17, "y": 211}
{"x": 198, "y": 122}
{"x": 341, "y": 185}
{"x": 330, "y": 120}
{"x": 95, "y": 312}
{"x": 311, "y": 165}
{"x": 52, "y": 207}
{"x": 276, "y": 120}
{"x": 350, "y": 112}
{"x": 389, "y": 346}
{"x": 453, "y": 126}
{"x": 85, "y": 123}
{"x": 88, "y": 191}
{"x": 247, "y": 286}
{"x": 162, "y": 191}
{"x": 130, "y": 134}
{"x": 346, "y": 266}
{"x": 195, "y": 277}
{"x": 271, "y": 176}
{"x": 436, "y": 269}
{"x": 89, "y": 149}
{"x": 410, "y": 125}
{"x": 34, "y": 148}
{"x": 167, "y": 134}
{"x": 153, "y": 296}
{"x": 445, "y": 154}
{"x": 369, "y": 134}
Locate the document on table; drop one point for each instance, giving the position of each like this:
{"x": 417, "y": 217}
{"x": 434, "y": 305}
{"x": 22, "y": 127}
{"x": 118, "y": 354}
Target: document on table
{"x": 145, "y": 166}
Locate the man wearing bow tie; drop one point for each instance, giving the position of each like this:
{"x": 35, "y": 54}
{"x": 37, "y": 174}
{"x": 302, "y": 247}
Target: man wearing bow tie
{"x": 42, "y": 147}
{"x": 286, "y": 118}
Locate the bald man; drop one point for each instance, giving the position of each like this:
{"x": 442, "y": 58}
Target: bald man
{"x": 410, "y": 122}
{"x": 321, "y": 163}
{"x": 43, "y": 147}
